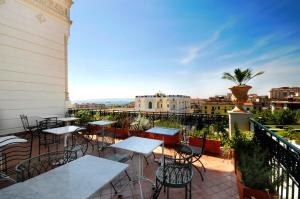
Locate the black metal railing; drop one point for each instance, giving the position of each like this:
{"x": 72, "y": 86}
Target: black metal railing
{"x": 196, "y": 119}
{"x": 284, "y": 156}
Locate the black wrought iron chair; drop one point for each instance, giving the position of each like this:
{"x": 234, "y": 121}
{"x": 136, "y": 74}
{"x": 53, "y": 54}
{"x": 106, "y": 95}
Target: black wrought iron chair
{"x": 176, "y": 172}
{"x": 116, "y": 155}
{"x": 37, "y": 165}
{"x": 198, "y": 151}
{"x": 13, "y": 153}
{"x": 25, "y": 123}
{"x": 78, "y": 143}
{"x": 104, "y": 139}
{"x": 46, "y": 140}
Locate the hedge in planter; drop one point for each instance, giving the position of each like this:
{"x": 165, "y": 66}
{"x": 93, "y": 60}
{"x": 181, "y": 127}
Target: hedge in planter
{"x": 255, "y": 176}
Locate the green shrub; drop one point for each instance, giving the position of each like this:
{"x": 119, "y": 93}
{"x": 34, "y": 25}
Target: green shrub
{"x": 257, "y": 173}
{"x": 168, "y": 123}
{"x": 84, "y": 115}
{"x": 284, "y": 116}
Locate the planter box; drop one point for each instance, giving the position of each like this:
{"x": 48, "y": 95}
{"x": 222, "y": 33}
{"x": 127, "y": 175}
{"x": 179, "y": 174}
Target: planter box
{"x": 121, "y": 133}
{"x": 169, "y": 140}
{"x": 138, "y": 133}
{"x": 211, "y": 146}
{"x": 249, "y": 193}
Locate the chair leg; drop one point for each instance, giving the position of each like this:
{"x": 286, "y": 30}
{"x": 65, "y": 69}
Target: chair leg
{"x": 202, "y": 165}
{"x": 154, "y": 155}
{"x": 199, "y": 172}
{"x": 113, "y": 188}
{"x": 127, "y": 175}
{"x": 168, "y": 192}
{"x": 190, "y": 190}
{"x": 146, "y": 160}
{"x": 185, "y": 189}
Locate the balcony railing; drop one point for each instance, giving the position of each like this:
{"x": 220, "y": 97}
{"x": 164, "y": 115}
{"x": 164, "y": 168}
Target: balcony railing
{"x": 193, "y": 119}
{"x": 284, "y": 155}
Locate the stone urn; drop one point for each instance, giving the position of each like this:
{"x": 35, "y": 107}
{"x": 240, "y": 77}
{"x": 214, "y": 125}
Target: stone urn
{"x": 239, "y": 97}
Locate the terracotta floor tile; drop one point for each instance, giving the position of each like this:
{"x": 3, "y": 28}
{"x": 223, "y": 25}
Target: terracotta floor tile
{"x": 219, "y": 180}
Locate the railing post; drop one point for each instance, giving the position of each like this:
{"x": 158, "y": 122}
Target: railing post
{"x": 241, "y": 119}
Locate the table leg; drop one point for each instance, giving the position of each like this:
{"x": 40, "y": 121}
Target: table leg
{"x": 140, "y": 174}
{"x": 163, "y": 151}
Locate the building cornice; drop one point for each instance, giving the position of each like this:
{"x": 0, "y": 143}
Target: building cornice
{"x": 52, "y": 7}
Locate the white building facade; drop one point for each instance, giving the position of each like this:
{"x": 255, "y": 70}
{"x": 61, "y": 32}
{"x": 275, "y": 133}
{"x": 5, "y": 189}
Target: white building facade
{"x": 163, "y": 103}
{"x": 33, "y": 59}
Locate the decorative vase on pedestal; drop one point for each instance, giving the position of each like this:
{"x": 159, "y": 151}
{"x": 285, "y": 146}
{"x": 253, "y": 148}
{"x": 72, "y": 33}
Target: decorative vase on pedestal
{"x": 240, "y": 96}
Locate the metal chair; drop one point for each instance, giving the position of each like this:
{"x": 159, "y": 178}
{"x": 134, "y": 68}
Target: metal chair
{"x": 175, "y": 172}
{"x": 115, "y": 155}
{"x": 104, "y": 139}
{"x": 198, "y": 151}
{"x": 35, "y": 166}
{"x": 26, "y": 126}
{"x": 45, "y": 139}
{"x": 11, "y": 154}
{"x": 78, "y": 142}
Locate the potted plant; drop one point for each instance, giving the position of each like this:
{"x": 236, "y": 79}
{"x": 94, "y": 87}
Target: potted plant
{"x": 139, "y": 126}
{"x": 255, "y": 173}
{"x": 240, "y": 91}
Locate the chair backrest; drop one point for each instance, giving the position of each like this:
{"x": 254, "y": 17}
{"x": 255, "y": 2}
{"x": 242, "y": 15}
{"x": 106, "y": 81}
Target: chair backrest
{"x": 13, "y": 153}
{"x": 34, "y": 166}
{"x": 78, "y": 142}
{"x": 25, "y": 122}
{"x": 179, "y": 168}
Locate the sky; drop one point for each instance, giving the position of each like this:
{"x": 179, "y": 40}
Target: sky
{"x": 124, "y": 48}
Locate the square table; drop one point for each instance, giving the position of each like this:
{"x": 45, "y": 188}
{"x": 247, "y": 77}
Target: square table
{"x": 78, "y": 179}
{"x": 164, "y": 132}
{"x": 102, "y": 123}
{"x": 63, "y": 131}
{"x": 46, "y": 116}
{"x": 67, "y": 120}
{"x": 141, "y": 147}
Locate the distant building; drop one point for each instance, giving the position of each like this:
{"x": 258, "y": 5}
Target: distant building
{"x": 284, "y": 93}
{"x": 161, "y": 102}
{"x": 290, "y": 103}
{"x": 219, "y": 104}
{"x": 259, "y": 102}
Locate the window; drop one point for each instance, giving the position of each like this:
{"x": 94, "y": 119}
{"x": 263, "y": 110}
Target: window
{"x": 205, "y": 107}
{"x": 174, "y": 106}
{"x": 168, "y": 105}
{"x": 218, "y": 108}
{"x": 150, "y": 105}
{"x": 161, "y": 106}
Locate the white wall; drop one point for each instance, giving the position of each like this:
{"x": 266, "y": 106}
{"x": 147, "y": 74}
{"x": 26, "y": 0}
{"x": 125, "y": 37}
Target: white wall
{"x": 32, "y": 64}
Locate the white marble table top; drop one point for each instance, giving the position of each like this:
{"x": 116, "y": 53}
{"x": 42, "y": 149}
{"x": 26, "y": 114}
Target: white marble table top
{"x": 102, "y": 122}
{"x": 63, "y": 130}
{"x": 46, "y": 116}
{"x": 11, "y": 139}
{"x": 138, "y": 145}
{"x": 163, "y": 131}
{"x": 78, "y": 179}
{"x": 68, "y": 119}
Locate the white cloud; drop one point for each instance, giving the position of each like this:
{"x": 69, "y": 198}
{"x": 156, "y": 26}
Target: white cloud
{"x": 193, "y": 52}
{"x": 258, "y": 44}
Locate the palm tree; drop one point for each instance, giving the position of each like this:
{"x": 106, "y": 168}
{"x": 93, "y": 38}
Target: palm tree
{"x": 241, "y": 77}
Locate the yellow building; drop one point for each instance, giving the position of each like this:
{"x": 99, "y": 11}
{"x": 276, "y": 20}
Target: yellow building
{"x": 205, "y": 106}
